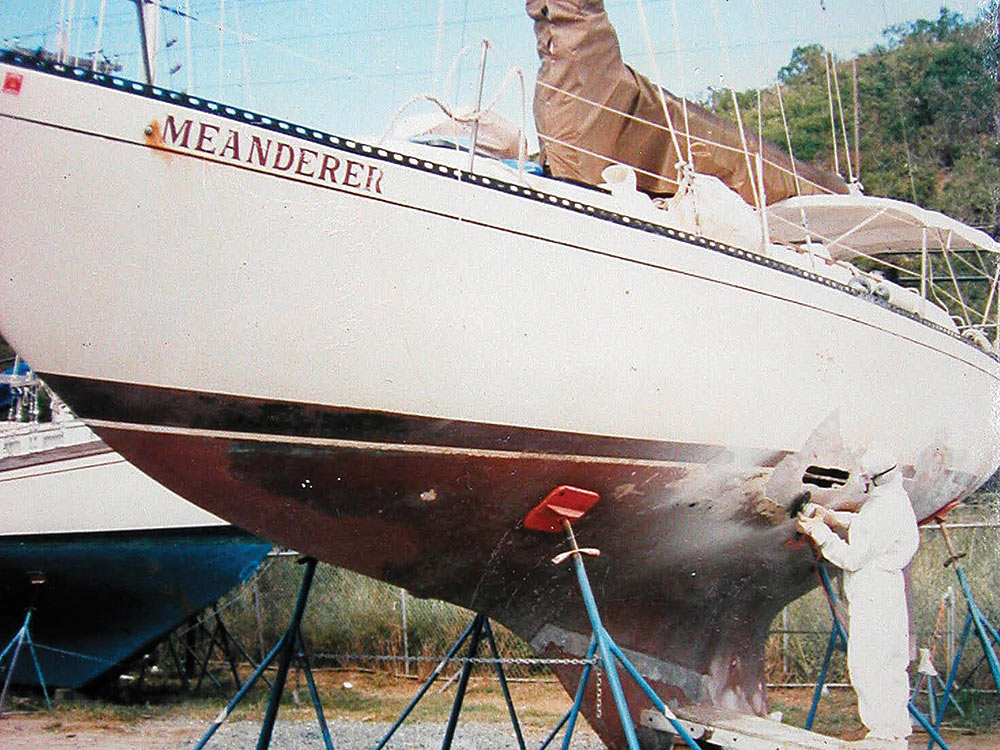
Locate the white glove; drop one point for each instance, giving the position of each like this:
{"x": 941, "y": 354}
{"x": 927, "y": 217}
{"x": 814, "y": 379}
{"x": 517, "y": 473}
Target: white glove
{"x": 813, "y": 527}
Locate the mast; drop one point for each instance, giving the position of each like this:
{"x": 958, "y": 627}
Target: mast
{"x": 149, "y": 14}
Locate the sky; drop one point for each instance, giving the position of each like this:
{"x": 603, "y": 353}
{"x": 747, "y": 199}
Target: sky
{"x": 348, "y": 66}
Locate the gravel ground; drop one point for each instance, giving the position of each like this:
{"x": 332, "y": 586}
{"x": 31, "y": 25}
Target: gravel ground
{"x": 40, "y": 733}
{"x": 354, "y": 735}
{"x": 46, "y": 732}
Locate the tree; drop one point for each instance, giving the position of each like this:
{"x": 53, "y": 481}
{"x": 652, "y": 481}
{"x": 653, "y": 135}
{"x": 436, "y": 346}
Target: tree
{"x": 929, "y": 114}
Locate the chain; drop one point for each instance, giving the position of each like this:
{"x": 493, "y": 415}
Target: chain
{"x": 458, "y": 659}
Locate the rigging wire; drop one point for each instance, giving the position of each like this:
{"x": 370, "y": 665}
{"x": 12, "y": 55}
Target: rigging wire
{"x": 761, "y": 21}
{"x": 100, "y": 29}
{"x": 788, "y": 138}
{"x": 70, "y": 12}
{"x": 902, "y": 118}
{"x": 439, "y": 36}
{"x": 843, "y": 127}
{"x": 833, "y": 124}
{"x": 222, "y": 30}
{"x": 736, "y": 106}
{"x": 698, "y": 140}
{"x": 659, "y": 88}
{"x": 680, "y": 67}
{"x": 857, "y": 121}
{"x": 187, "y": 44}
{"x": 244, "y": 82}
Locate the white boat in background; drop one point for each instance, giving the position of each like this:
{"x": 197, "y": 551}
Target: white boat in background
{"x": 456, "y": 337}
{"x": 122, "y": 559}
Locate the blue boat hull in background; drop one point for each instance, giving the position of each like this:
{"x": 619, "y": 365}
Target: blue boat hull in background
{"x": 109, "y": 595}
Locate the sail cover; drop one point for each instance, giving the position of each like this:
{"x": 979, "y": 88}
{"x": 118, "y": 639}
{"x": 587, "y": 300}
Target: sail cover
{"x": 850, "y": 225}
{"x": 592, "y": 110}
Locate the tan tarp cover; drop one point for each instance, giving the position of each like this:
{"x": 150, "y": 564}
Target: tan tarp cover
{"x": 496, "y": 136}
{"x": 581, "y": 65}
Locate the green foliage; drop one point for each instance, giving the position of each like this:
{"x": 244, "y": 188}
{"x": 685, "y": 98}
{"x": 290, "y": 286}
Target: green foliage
{"x": 5, "y": 351}
{"x": 929, "y": 114}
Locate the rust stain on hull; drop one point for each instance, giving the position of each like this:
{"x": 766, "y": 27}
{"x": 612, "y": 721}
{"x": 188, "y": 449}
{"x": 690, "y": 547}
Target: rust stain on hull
{"x": 153, "y": 136}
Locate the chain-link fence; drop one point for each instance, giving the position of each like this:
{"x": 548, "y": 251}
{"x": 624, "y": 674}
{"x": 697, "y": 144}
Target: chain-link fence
{"x": 356, "y": 622}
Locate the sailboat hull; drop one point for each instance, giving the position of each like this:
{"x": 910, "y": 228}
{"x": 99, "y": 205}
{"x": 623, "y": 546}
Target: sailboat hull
{"x": 107, "y": 560}
{"x": 386, "y": 361}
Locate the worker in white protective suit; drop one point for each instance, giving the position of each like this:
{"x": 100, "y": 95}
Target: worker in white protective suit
{"x": 881, "y": 540}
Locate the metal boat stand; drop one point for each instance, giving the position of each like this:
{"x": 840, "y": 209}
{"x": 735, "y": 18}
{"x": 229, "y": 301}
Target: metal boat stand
{"x": 985, "y": 631}
{"x": 200, "y": 642}
{"x": 23, "y": 636}
{"x": 288, "y": 646}
{"x": 554, "y": 514}
{"x": 927, "y": 674}
{"x": 479, "y": 627}
{"x": 838, "y": 639}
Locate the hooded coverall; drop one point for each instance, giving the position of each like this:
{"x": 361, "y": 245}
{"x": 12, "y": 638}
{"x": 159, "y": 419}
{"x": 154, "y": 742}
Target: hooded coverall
{"x": 882, "y": 539}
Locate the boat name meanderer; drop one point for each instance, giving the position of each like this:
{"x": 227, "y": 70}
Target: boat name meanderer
{"x": 272, "y": 155}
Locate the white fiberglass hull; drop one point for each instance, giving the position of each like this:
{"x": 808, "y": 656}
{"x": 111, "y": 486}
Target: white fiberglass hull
{"x": 117, "y": 559}
{"x": 385, "y": 361}
{"x": 59, "y": 478}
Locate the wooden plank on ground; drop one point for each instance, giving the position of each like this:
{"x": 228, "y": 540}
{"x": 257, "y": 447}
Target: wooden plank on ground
{"x": 732, "y": 729}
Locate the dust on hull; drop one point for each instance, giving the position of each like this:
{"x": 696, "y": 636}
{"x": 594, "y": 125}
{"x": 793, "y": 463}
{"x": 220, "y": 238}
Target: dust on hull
{"x": 694, "y": 544}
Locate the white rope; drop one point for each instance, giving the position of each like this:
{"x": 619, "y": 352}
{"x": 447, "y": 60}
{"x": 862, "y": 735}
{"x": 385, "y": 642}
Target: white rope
{"x": 446, "y": 87}
{"x": 659, "y": 89}
{"x": 474, "y": 115}
{"x": 951, "y": 271}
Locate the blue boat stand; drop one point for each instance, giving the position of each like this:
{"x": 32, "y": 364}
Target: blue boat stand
{"x": 985, "y": 631}
{"x": 17, "y": 644}
{"x": 479, "y": 627}
{"x": 838, "y": 639}
{"x": 288, "y": 646}
{"x": 603, "y": 646}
